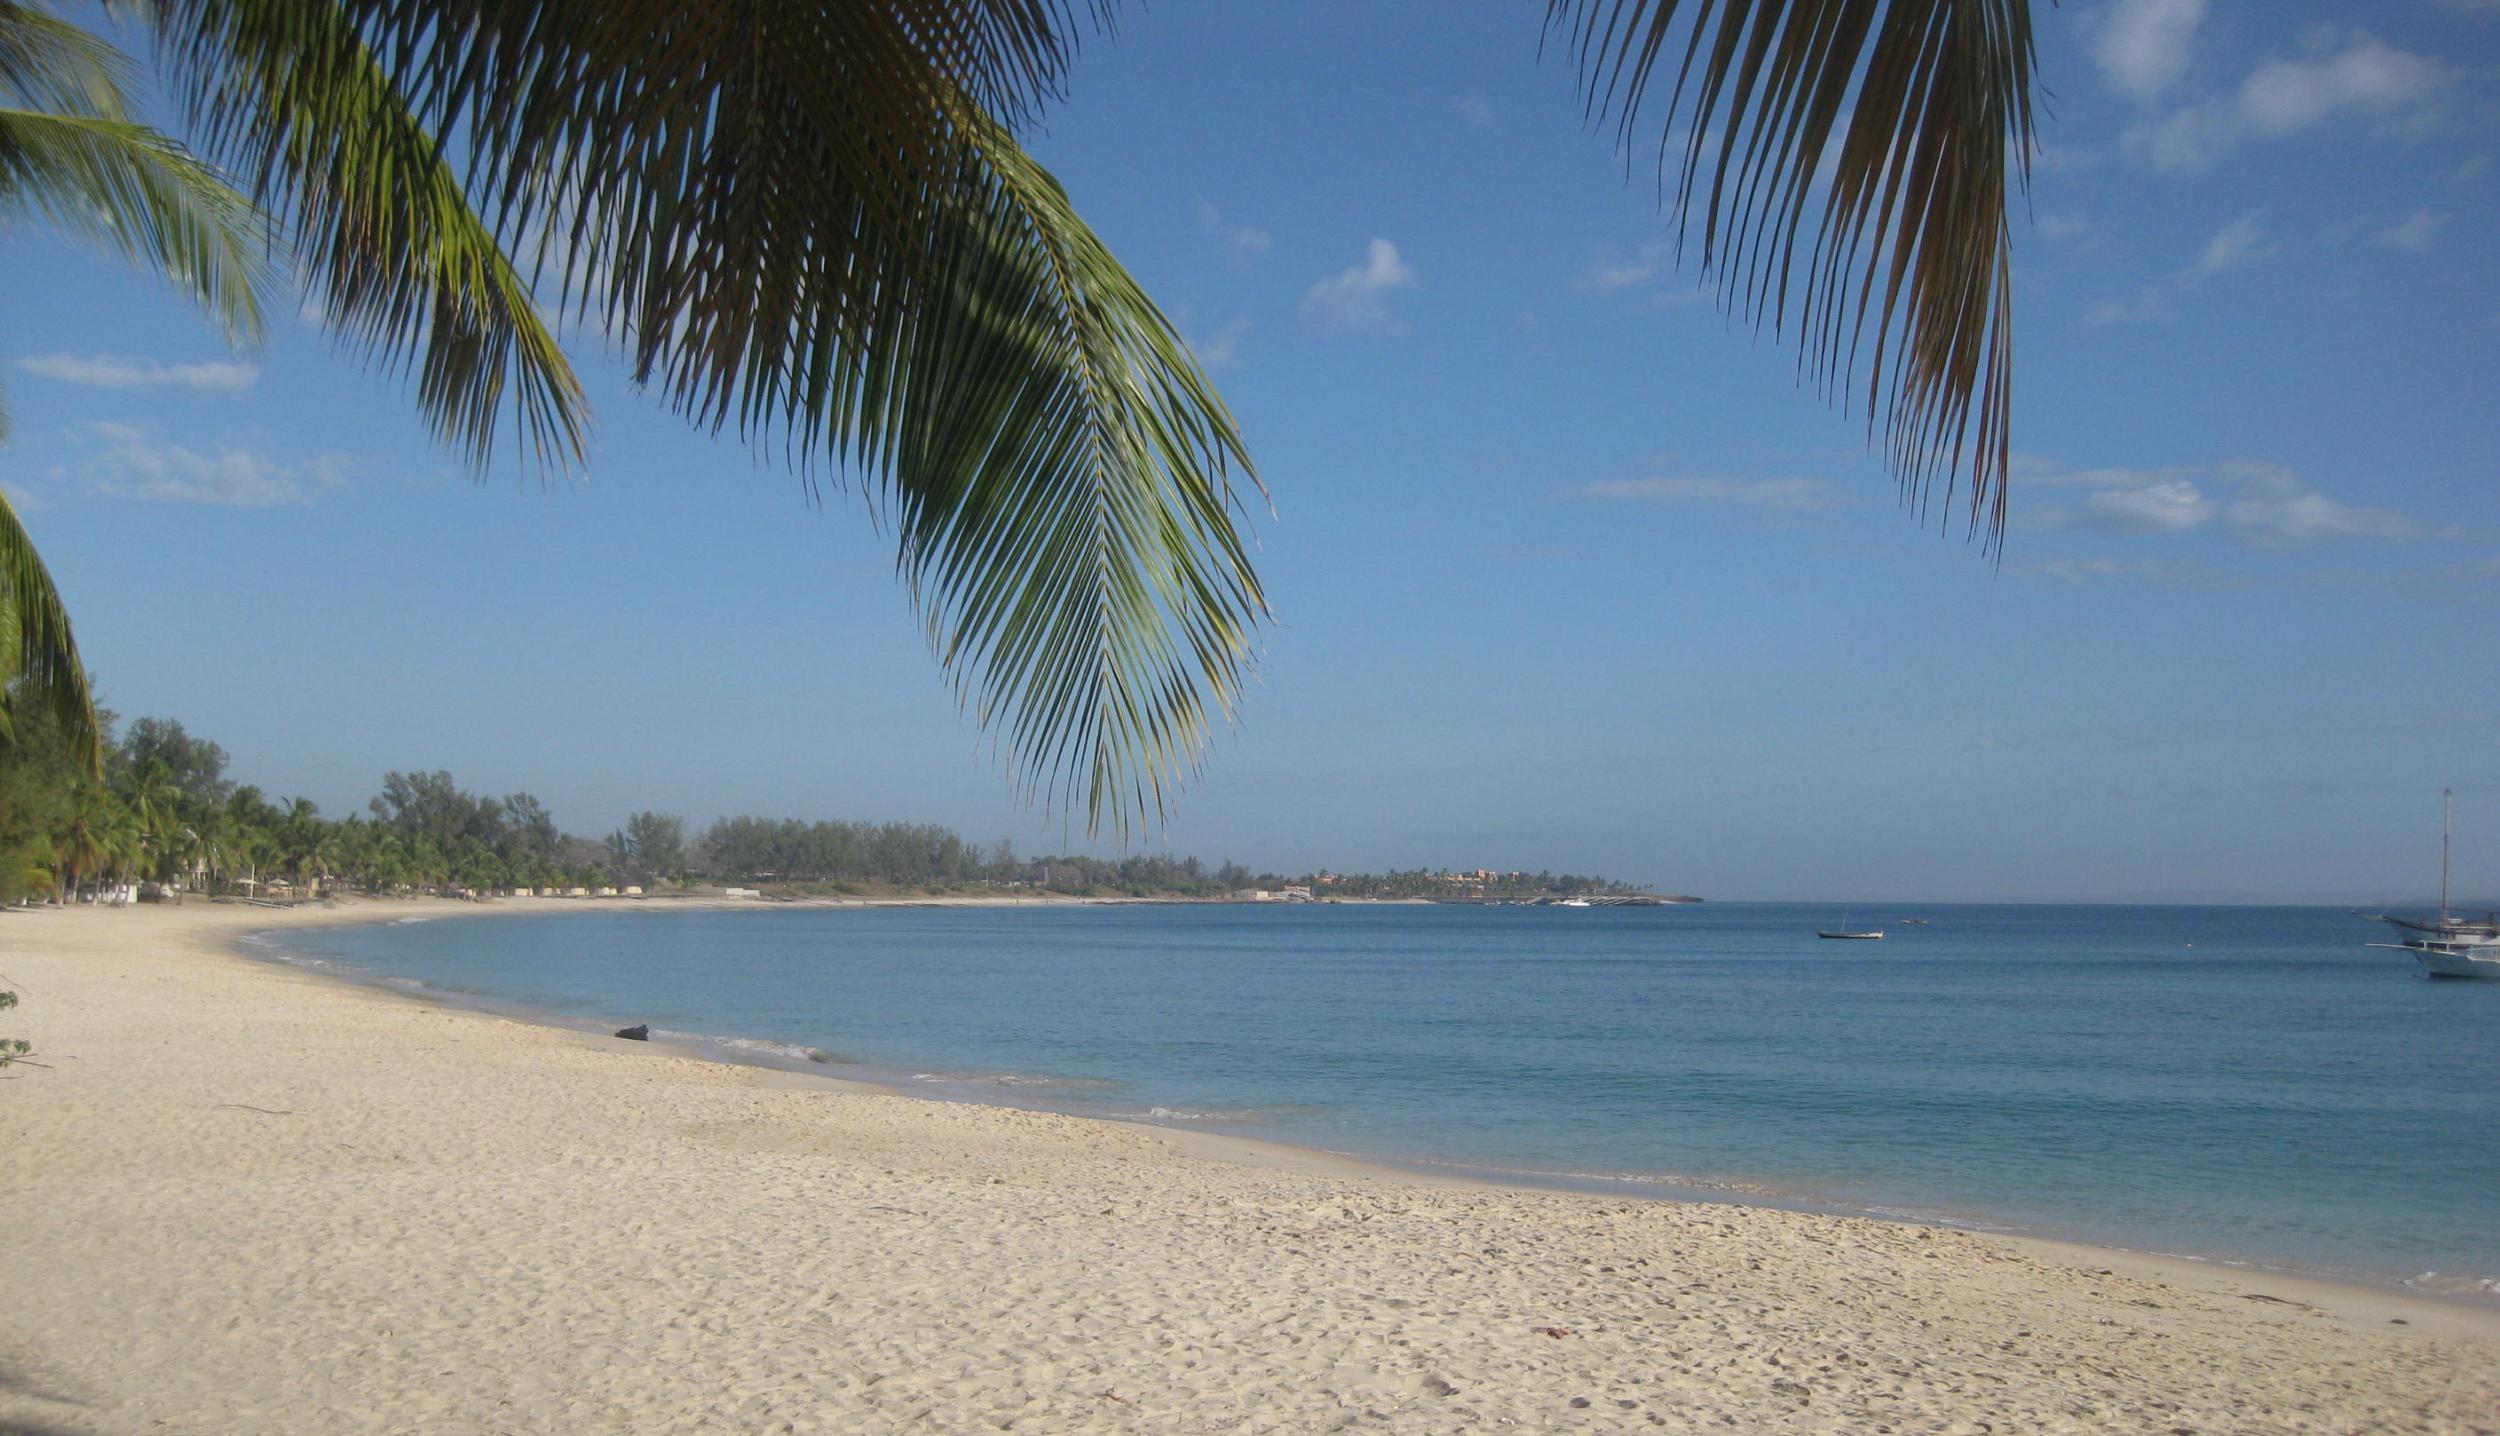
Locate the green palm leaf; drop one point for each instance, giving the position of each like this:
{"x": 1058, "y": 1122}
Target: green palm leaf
{"x": 813, "y": 223}
{"x": 1921, "y": 109}
{"x": 130, "y": 189}
{"x": 402, "y": 267}
{"x": 44, "y": 663}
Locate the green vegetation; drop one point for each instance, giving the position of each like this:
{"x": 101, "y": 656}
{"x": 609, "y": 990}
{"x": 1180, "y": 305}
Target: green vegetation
{"x": 817, "y": 223}
{"x": 164, "y": 816}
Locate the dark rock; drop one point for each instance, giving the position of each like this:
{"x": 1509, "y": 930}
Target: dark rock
{"x": 639, "y": 1032}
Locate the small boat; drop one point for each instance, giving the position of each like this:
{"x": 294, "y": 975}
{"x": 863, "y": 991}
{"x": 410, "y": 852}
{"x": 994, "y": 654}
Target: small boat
{"x": 1846, "y": 933}
{"x": 1914, "y": 922}
{"x": 2452, "y": 946}
{"x": 1573, "y": 902}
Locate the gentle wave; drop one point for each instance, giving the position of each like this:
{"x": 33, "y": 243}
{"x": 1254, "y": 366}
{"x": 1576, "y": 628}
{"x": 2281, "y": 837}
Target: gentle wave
{"x": 796, "y": 1052}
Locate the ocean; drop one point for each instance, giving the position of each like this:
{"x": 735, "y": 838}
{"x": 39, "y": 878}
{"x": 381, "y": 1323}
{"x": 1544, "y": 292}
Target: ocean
{"x": 2240, "y": 1084}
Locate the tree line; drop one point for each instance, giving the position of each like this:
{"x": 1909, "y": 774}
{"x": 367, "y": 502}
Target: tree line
{"x": 163, "y": 812}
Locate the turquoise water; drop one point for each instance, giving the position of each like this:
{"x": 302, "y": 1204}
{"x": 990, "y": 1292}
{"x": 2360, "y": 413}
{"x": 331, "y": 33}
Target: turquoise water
{"x": 2241, "y": 1083}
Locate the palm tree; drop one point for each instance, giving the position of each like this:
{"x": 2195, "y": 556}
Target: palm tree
{"x": 84, "y": 845}
{"x": 815, "y": 223}
{"x": 156, "y": 804}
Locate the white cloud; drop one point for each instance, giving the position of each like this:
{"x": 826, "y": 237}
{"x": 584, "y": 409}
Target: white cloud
{"x": 1611, "y": 271}
{"x": 105, "y": 372}
{"x": 2171, "y": 507}
{"x": 2064, "y": 226}
{"x": 1358, "y": 297}
{"x": 2420, "y": 230}
{"x": 2237, "y": 244}
{"x": 2252, "y": 500}
{"x": 2150, "y": 305}
{"x": 129, "y": 466}
{"x": 1243, "y": 242}
{"x": 1787, "y": 494}
{"x": 2083, "y": 572}
{"x": 2232, "y": 246}
{"x": 1644, "y": 270}
{"x": 2355, "y": 72}
{"x": 2315, "y": 516}
{"x": 2145, "y": 45}
{"x": 1220, "y": 349}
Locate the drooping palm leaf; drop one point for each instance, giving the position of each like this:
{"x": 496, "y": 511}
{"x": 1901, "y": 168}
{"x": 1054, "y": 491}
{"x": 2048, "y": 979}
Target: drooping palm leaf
{"x": 44, "y": 662}
{"x": 47, "y": 63}
{"x": 69, "y": 154}
{"x": 812, "y": 222}
{"x": 1917, "y": 115}
{"x": 403, "y": 269}
{"x": 130, "y": 189}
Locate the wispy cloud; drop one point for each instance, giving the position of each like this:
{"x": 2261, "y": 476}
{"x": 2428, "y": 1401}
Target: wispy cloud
{"x": 2144, "y": 46}
{"x": 2107, "y": 569}
{"x": 1242, "y": 242}
{"x": 1474, "y": 110}
{"x": 1785, "y": 494}
{"x": 2252, "y": 500}
{"x": 2063, "y": 226}
{"x": 2344, "y": 73}
{"x": 1358, "y": 298}
{"x": 101, "y": 371}
{"x": 130, "y": 466}
{"x": 2420, "y": 230}
{"x": 2240, "y": 243}
{"x": 1646, "y": 271}
{"x": 1220, "y": 349}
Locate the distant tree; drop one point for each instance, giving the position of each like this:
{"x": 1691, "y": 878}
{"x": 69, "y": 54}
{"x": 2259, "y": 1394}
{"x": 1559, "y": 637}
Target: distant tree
{"x": 194, "y": 767}
{"x": 651, "y": 846}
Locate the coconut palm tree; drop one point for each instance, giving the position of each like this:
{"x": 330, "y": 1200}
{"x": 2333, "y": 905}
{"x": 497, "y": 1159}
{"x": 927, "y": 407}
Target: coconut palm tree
{"x": 814, "y": 223}
{"x": 96, "y": 838}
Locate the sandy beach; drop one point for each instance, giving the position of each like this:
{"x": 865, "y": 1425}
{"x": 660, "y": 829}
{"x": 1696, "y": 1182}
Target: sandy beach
{"x": 242, "y": 1198}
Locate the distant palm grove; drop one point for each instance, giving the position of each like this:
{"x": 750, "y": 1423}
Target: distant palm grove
{"x": 164, "y": 820}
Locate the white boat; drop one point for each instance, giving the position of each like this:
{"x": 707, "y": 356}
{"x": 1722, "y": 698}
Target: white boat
{"x": 1573, "y": 902}
{"x": 2451, "y": 946}
{"x": 2452, "y": 959}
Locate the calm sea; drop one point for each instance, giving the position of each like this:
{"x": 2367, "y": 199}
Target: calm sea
{"x": 2240, "y": 1083}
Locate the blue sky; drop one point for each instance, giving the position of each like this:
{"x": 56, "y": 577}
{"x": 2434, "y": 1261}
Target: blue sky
{"x": 1568, "y": 571}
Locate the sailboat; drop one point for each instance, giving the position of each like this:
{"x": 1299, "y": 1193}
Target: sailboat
{"x": 1846, "y": 933}
{"x": 2453, "y": 946}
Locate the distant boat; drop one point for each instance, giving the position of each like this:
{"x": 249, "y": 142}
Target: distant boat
{"x": 2452, "y": 946}
{"x": 1846, "y": 933}
{"x": 1914, "y": 922}
{"x": 1573, "y": 902}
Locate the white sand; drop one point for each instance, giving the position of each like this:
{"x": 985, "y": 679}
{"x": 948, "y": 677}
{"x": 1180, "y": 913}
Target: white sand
{"x": 245, "y": 1199}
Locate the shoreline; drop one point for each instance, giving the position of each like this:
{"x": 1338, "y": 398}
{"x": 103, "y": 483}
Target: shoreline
{"x": 249, "y": 1197}
{"x": 739, "y": 1050}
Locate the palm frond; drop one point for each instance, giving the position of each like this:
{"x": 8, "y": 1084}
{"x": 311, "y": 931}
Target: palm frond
{"x": 813, "y": 223}
{"x": 1918, "y": 116}
{"x": 45, "y": 662}
{"x": 405, "y": 271}
{"x": 1060, "y": 466}
{"x": 47, "y": 63}
{"x": 128, "y": 188}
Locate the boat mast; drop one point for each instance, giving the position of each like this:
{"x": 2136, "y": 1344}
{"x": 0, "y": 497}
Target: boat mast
{"x": 2447, "y": 801}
